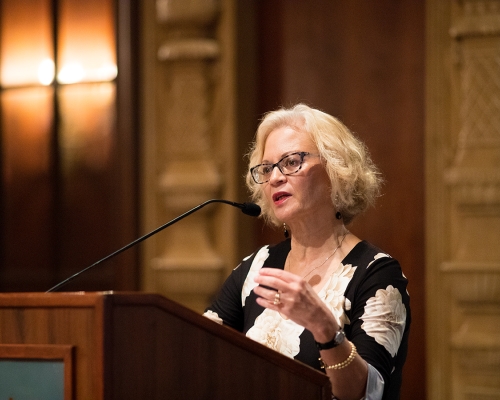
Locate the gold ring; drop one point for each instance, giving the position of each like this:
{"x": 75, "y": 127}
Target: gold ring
{"x": 277, "y": 299}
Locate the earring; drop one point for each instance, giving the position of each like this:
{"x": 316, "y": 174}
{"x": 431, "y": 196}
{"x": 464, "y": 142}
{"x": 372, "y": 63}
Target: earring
{"x": 285, "y": 231}
{"x": 338, "y": 214}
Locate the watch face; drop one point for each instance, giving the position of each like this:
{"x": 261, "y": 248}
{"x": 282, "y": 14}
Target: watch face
{"x": 339, "y": 337}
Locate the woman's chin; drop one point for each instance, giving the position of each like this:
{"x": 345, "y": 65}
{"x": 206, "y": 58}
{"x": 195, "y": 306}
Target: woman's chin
{"x": 284, "y": 215}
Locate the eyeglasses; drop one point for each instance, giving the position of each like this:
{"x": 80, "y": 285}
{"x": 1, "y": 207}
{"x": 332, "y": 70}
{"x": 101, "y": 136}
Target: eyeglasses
{"x": 288, "y": 165}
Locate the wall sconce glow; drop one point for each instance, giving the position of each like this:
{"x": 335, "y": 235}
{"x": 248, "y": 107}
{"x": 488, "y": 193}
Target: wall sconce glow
{"x": 46, "y": 72}
{"x": 105, "y": 73}
{"x": 75, "y": 72}
{"x": 71, "y": 73}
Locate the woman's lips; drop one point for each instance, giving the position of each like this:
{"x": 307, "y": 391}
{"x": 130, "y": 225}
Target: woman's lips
{"x": 280, "y": 197}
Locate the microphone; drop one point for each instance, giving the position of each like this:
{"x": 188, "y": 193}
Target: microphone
{"x": 251, "y": 209}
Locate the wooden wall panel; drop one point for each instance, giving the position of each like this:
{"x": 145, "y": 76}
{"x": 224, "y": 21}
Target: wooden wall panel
{"x": 68, "y": 162}
{"x": 364, "y": 63}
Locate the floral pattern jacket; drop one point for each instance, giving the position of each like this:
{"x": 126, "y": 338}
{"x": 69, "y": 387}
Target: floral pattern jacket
{"x": 366, "y": 294}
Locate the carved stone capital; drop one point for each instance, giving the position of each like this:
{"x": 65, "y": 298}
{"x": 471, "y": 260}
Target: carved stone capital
{"x": 474, "y": 186}
{"x": 178, "y": 12}
{"x": 189, "y": 50}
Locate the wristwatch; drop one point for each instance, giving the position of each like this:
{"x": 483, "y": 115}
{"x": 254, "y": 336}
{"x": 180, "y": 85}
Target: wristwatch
{"x": 337, "y": 339}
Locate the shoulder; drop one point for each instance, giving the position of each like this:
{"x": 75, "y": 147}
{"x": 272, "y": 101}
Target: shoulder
{"x": 365, "y": 254}
{"x": 369, "y": 260}
{"x": 269, "y": 256}
{"x": 375, "y": 269}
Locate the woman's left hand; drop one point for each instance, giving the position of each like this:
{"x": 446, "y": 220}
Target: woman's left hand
{"x": 295, "y": 299}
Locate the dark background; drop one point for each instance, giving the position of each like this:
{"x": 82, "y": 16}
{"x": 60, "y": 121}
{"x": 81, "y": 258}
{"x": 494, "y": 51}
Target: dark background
{"x": 363, "y": 62}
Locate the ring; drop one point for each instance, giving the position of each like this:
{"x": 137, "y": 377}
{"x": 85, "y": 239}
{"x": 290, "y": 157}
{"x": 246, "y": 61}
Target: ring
{"x": 277, "y": 298}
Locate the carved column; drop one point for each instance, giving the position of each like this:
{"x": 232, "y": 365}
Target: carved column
{"x": 464, "y": 200}
{"x": 185, "y": 164}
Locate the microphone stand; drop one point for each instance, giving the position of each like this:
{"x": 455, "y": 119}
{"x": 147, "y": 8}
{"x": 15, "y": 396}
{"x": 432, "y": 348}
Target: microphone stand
{"x": 247, "y": 208}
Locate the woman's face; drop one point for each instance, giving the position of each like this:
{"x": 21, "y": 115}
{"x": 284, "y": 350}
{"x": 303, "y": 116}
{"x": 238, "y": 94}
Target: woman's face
{"x": 304, "y": 196}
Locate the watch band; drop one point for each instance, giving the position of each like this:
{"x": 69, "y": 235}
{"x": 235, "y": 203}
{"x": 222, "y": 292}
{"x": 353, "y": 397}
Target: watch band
{"x": 337, "y": 340}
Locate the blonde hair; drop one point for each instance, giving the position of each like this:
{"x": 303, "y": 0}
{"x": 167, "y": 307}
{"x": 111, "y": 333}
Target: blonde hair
{"x": 355, "y": 180}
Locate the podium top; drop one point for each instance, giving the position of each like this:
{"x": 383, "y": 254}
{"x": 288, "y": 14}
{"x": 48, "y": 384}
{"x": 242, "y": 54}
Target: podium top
{"x": 128, "y": 342}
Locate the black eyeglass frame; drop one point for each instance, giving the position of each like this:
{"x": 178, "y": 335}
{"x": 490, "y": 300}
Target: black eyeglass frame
{"x": 277, "y": 164}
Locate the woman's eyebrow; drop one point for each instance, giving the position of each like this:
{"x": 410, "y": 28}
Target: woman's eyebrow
{"x": 287, "y": 153}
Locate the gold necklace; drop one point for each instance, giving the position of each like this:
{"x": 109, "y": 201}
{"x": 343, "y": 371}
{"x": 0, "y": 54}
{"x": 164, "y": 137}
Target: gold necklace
{"x": 327, "y": 258}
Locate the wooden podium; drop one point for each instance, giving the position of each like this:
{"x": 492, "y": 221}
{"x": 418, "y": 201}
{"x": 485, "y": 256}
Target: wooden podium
{"x": 144, "y": 346}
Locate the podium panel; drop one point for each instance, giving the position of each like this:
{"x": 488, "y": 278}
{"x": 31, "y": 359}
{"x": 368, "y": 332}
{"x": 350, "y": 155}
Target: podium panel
{"x": 137, "y": 345}
{"x": 42, "y": 372}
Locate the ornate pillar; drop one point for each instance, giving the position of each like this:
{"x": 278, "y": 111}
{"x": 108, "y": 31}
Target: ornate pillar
{"x": 188, "y": 153}
{"x": 464, "y": 199}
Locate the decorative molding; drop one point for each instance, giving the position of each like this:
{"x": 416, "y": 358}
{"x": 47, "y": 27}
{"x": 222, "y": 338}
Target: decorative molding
{"x": 464, "y": 199}
{"x": 189, "y": 49}
{"x": 476, "y": 18}
{"x": 470, "y": 267}
{"x": 479, "y": 97}
{"x": 184, "y": 129}
{"x": 475, "y": 186}
{"x": 194, "y": 13}
{"x": 474, "y": 286}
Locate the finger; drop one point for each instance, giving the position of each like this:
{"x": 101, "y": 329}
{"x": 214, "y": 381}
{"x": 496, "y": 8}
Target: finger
{"x": 290, "y": 283}
{"x": 271, "y": 296}
{"x": 276, "y": 278}
{"x": 271, "y": 282}
{"x": 279, "y": 273}
{"x": 271, "y": 299}
{"x": 268, "y": 304}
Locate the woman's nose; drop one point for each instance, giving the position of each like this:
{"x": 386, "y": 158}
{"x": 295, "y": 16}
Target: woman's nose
{"x": 276, "y": 176}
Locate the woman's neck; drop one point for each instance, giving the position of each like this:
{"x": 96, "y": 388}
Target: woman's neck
{"x": 310, "y": 245}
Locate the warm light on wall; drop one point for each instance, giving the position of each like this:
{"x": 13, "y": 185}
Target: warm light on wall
{"x": 27, "y": 119}
{"x": 85, "y": 46}
{"x": 73, "y": 72}
{"x": 46, "y": 72}
{"x": 81, "y": 59}
{"x": 60, "y": 148}
{"x": 25, "y": 42}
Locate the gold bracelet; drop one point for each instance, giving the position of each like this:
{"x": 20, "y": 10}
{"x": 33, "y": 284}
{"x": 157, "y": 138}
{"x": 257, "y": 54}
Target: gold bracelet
{"x": 343, "y": 364}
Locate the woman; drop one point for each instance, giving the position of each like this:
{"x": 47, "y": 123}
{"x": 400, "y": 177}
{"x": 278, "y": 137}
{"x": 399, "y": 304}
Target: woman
{"x": 323, "y": 296}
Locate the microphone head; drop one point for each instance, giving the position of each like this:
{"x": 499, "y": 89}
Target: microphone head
{"x": 251, "y": 209}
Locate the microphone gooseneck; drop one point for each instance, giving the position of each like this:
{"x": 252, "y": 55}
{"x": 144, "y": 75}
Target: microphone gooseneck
{"x": 250, "y": 209}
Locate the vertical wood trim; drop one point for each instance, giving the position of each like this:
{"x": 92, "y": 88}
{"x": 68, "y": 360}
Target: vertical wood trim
{"x": 437, "y": 126}
{"x": 126, "y": 271}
